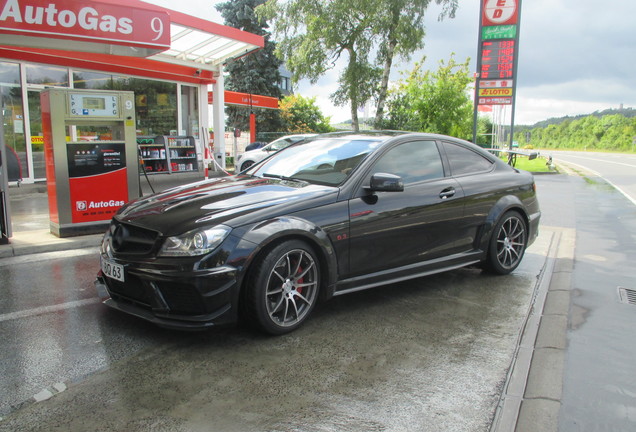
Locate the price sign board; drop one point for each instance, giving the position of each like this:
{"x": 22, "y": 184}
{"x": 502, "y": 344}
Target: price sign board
{"x": 498, "y": 50}
{"x": 497, "y": 56}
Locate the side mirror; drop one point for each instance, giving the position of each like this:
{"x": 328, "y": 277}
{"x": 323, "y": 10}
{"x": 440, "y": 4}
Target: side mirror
{"x": 383, "y": 182}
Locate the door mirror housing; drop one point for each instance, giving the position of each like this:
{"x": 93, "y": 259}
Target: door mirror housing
{"x": 383, "y": 182}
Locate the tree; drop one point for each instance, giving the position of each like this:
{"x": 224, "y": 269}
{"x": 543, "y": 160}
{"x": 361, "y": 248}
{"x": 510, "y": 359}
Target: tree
{"x": 302, "y": 115}
{"x": 256, "y": 73}
{"x": 436, "y": 102}
{"x": 401, "y": 32}
{"x": 314, "y": 35}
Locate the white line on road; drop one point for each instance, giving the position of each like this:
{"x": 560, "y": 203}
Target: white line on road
{"x": 599, "y": 160}
{"x": 47, "y": 309}
{"x": 604, "y": 178}
{"x": 45, "y": 256}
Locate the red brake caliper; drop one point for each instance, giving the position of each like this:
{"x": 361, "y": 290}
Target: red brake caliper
{"x": 299, "y": 290}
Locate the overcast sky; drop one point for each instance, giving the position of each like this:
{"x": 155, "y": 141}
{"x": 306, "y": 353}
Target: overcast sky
{"x": 575, "y": 56}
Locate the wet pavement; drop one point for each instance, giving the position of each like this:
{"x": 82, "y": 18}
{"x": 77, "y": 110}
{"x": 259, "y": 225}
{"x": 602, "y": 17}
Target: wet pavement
{"x": 430, "y": 354}
{"x": 547, "y": 348}
{"x": 599, "y": 384}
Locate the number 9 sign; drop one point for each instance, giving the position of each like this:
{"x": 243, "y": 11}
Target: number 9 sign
{"x": 157, "y": 27}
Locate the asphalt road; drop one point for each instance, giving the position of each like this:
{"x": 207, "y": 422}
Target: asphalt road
{"x": 618, "y": 169}
{"x": 430, "y": 354}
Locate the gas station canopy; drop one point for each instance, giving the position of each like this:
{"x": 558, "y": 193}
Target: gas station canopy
{"x": 129, "y": 37}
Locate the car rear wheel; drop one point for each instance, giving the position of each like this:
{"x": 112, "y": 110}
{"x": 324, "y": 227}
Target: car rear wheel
{"x": 507, "y": 244}
{"x": 283, "y": 288}
{"x": 245, "y": 165}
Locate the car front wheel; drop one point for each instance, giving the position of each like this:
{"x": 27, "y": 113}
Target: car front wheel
{"x": 507, "y": 244}
{"x": 283, "y": 288}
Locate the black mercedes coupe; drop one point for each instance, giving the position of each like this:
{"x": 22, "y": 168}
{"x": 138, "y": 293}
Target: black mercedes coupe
{"x": 331, "y": 215}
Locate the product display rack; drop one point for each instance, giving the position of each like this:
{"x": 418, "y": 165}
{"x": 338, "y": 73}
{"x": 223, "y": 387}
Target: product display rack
{"x": 165, "y": 154}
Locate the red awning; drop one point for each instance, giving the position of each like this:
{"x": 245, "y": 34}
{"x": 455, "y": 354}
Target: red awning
{"x": 196, "y": 50}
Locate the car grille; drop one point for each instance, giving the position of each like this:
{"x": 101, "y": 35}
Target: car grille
{"x": 130, "y": 239}
{"x": 181, "y": 299}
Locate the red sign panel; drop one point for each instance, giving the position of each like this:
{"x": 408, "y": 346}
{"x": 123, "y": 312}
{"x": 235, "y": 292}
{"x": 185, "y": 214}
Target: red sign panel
{"x": 84, "y": 22}
{"x": 500, "y": 12}
{"x": 246, "y": 99}
{"x": 90, "y": 167}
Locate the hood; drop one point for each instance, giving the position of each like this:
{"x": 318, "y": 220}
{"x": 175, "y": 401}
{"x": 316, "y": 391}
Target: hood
{"x": 232, "y": 201}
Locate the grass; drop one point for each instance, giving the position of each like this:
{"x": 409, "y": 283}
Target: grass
{"x": 536, "y": 165}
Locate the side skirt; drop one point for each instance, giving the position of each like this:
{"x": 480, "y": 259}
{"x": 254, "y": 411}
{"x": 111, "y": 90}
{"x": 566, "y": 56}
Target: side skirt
{"x": 412, "y": 271}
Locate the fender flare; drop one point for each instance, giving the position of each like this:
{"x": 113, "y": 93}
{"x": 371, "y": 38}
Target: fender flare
{"x": 505, "y": 203}
{"x": 271, "y": 232}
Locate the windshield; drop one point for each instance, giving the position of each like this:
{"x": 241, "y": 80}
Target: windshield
{"x": 327, "y": 161}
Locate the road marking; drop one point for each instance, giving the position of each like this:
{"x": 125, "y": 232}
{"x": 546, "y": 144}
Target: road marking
{"x": 25, "y": 259}
{"x": 600, "y": 160}
{"x": 604, "y": 178}
{"x": 47, "y": 309}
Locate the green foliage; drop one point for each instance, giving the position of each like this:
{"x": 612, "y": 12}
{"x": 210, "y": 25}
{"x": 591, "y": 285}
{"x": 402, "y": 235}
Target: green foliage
{"x": 614, "y": 132}
{"x": 400, "y": 31}
{"x": 485, "y": 128}
{"x": 256, "y": 73}
{"x": 302, "y": 115}
{"x": 433, "y": 101}
{"x": 313, "y": 35}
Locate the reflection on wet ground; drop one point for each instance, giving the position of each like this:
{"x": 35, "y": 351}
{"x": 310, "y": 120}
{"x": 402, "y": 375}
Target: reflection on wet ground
{"x": 426, "y": 354}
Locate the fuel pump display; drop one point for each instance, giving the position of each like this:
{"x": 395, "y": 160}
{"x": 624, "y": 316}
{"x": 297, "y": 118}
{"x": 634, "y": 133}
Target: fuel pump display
{"x": 91, "y": 157}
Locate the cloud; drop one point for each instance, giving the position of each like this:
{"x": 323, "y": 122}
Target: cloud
{"x": 575, "y": 56}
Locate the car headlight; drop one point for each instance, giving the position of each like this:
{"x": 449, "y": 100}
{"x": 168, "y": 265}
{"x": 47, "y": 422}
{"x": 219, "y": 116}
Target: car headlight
{"x": 196, "y": 242}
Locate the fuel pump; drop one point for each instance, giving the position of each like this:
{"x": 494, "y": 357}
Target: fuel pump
{"x": 91, "y": 159}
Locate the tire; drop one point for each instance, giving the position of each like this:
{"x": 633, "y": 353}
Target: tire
{"x": 507, "y": 244}
{"x": 283, "y": 288}
{"x": 245, "y": 165}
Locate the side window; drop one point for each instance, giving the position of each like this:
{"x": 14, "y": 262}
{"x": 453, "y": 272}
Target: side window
{"x": 413, "y": 161}
{"x": 465, "y": 161}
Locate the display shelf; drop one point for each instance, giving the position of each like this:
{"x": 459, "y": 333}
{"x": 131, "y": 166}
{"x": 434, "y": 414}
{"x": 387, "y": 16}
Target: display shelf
{"x": 167, "y": 154}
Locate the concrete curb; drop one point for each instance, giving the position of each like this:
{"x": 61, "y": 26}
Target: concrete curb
{"x": 531, "y": 398}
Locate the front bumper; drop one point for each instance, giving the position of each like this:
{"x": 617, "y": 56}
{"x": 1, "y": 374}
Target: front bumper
{"x": 171, "y": 298}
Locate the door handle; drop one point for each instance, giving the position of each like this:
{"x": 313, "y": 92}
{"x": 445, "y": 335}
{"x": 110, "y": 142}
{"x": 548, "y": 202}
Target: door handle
{"x": 447, "y": 193}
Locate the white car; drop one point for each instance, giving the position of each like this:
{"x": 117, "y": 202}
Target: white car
{"x": 251, "y": 157}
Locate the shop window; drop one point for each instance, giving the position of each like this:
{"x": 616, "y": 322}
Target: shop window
{"x": 189, "y": 111}
{"x": 47, "y": 75}
{"x": 12, "y": 115}
{"x": 155, "y": 101}
{"x": 95, "y": 80}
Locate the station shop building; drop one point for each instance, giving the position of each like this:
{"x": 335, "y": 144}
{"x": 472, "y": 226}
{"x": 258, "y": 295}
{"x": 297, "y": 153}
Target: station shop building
{"x": 170, "y": 60}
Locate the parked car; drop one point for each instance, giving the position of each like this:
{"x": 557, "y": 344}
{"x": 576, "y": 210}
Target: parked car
{"x": 251, "y": 157}
{"x": 336, "y": 214}
{"x": 255, "y": 145}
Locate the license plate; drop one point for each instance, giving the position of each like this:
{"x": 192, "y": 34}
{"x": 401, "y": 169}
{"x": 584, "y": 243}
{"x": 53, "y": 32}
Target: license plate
{"x": 112, "y": 270}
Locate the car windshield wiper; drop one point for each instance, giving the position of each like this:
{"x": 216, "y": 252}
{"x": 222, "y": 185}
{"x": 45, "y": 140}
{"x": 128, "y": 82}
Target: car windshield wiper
{"x": 282, "y": 177}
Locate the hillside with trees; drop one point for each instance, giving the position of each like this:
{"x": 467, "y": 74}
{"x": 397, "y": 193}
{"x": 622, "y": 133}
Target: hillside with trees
{"x": 612, "y": 130}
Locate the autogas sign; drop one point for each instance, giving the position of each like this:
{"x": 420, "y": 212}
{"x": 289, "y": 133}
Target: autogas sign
{"x": 82, "y": 23}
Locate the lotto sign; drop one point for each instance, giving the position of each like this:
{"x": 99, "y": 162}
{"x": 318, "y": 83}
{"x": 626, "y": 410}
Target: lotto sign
{"x": 499, "y": 12}
{"x": 495, "y": 92}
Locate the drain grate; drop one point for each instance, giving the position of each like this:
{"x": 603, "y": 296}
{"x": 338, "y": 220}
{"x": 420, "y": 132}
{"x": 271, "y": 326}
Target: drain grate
{"x": 627, "y": 296}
